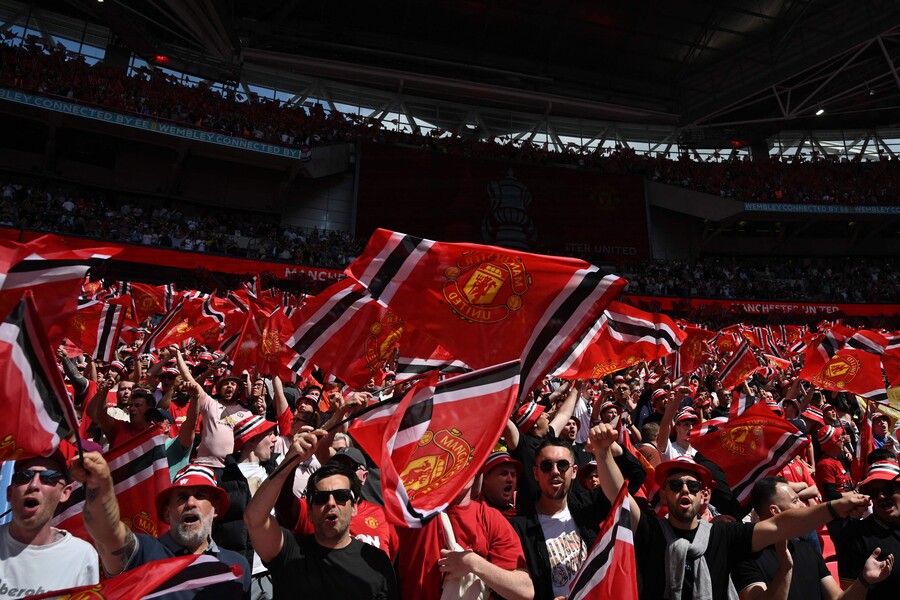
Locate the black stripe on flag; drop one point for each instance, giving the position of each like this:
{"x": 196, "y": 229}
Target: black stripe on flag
{"x": 334, "y": 314}
{"x": 392, "y": 265}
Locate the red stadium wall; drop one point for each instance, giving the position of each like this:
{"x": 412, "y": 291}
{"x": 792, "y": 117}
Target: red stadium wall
{"x": 458, "y": 199}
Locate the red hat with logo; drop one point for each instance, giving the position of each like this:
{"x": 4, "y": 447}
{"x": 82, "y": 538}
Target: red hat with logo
{"x": 194, "y": 476}
{"x": 249, "y": 428}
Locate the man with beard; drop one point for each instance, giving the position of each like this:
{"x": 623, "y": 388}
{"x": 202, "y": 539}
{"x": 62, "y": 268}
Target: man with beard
{"x": 35, "y": 557}
{"x": 189, "y": 506}
{"x": 557, "y": 530}
{"x": 695, "y": 555}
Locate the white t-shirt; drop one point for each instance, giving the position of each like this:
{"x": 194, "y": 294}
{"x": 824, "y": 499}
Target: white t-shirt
{"x": 255, "y": 474}
{"x": 673, "y": 451}
{"x": 30, "y": 570}
{"x": 565, "y": 548}
{"x": 304, "y": 468}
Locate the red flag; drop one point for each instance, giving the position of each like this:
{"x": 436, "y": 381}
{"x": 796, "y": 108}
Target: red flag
{"x": 486, "y": 305}
{"x": 864, "y": 445}
{"x": 434, "y": 440}
{"x": 191, "y": 319}
{"x": 53, "y": 271}
{"x": 623, "y": 336}
{"x": 346, "y": 332}
{"x": 694, "y": 350}
{"x": 37, "y": 410}
{"x": 756, "y": 444}
{"x": 609, "y": 571}
{"x": 155, "y": 578}
{"x": 853, "y": 371}
{"x": 97, "y": 326}
{"x": 148, "y": 300}
{"x": 739, "y": 367}
{"x": 420, "y": 354}
{"x": 139, "y": 470}
{"x": 890, "y": 360}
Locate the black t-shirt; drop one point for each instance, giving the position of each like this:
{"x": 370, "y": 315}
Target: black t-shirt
{"x": 857, "y": 540}
{"x": 808, "y": 572}
{"x": 729, "y": 543}
{"x": 358, "y": 570}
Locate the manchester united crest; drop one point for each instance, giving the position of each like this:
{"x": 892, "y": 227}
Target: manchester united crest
{"x": 602, "y": 369}
{"x": 439, "y": 457}
{"x": 8, "y": 449}
{"x": 486, "y": 287}
{"x": 742, "y": 440}
{"x": 384, "y": 335}
{"x": 838, "y": 372}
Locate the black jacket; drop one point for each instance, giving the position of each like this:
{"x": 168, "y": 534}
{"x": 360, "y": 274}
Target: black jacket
{"x": 229, "y": 530}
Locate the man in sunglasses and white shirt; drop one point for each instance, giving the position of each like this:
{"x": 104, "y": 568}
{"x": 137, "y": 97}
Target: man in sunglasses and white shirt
{"x": 34, "y": 557}
{"x": 559, "y": 528}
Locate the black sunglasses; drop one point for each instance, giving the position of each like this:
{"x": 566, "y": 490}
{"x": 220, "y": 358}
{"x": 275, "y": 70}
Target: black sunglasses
{"x": 48, "y": 476}
{"x": 693, "y": 485}
{"x": 561, "y": 465}
{"x": 341, "y": 496}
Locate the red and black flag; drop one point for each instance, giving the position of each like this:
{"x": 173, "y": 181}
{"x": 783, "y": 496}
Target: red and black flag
{"x": 38, "y": 411}
{"x": 739, "y": 367}
{"x": 486, "y": 305}
{"x": 434, "y": 439}
{"x": 609, "y": 571}
{"x": 155, "y": 579}
{"x": 139, "y": 471}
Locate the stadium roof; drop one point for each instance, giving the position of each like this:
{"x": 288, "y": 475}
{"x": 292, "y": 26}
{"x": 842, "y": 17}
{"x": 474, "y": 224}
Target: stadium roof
{"x": 703, "y": 69}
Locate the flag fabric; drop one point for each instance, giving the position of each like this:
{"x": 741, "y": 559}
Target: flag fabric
{"x": 97, "y": 326}
{"x": 610, "y": 567}
{"x": 890, "y": 360}
{"x": 622, "y": 336}
{"x": 345, "y": 331}
{"x": 434, "y": 440}
{"x": 415, "y": 359}
{"x": 864, "y": 444}
{"x": 154, "y": 579}
{"x": 755, "y": 444}
{"x": 486, "y": 305}
{"x": 739, "y": 367}
{"x": 694, "y": 350}
{"x": 740, "y": 402}
{"x": 139, "y": 471}
{"x": 38, "y": 412}
{"x": 851, "y": 370}
{"x": 148, "y": 300}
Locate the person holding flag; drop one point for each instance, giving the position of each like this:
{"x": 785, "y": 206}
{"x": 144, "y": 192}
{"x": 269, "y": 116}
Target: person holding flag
{"x": 699, "y": 556}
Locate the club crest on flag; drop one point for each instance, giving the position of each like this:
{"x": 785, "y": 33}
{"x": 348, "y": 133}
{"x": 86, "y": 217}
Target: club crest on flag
{"x": 605, "y": 368}
{"x": 742, "y": 440}
{"x": 438, "y": 458}
{"x": 92, "y": 594}
{"x": 384, "y": 335}
{"x": 270, "y": 342}
{"x": 485, "y": 287}
{"x": 838, "y": 372}
{"x": 141, "y": 523}
{"x": 8, "y": 449}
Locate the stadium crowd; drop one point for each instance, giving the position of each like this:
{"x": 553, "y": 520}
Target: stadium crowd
{"x": 261, "y": 475}
{"x": 811, "y": 178}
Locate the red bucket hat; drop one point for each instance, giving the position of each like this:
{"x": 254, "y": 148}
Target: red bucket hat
{"x": 883, "y": 470}
{"x": 527, "y": 416}
{"x": 194, "y": 476}
{"x": 501, "y": 458}
{"x": 247, "y": 429}
{"x": 683, "y": 463}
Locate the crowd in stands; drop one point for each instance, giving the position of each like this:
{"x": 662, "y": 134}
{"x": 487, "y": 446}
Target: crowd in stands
{"x": 811, "y": 178}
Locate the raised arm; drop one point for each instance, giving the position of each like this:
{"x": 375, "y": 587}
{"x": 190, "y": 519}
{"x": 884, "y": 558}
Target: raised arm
{"x": 265, "y": 532}
{"x": 600, "y": 442}
{"x": 797, "y": 522}
{"x": 115, "y": 543}
{"x": 96, "y": 407}
{"x": 567, "y": 408}
{"x": 188, "y": 428}
{"x": 665, "y": 424}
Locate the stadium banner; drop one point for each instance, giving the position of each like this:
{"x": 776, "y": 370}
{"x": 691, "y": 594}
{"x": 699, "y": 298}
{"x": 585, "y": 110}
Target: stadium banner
{"x": 836, "y": 209}
{"x": 69, "y": 107}
{"x": 182, "y": 259}
{"x": 553, "y": 210}
{"x": 707, "y": 307}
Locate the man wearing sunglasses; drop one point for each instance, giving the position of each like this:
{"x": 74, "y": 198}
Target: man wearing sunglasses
{"x": 558, "y": 529}
{"x": 881, "y": 530}
{"x": 330, "y": 563}
{"x": 698, "y": 556}
{"x": 35, "y": 557}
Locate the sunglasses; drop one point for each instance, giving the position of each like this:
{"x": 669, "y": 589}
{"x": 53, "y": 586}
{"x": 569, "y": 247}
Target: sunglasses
{"x": 341, "y": 496}
{"x": 48, "y": 476}
{"x": 561, "y": 465}
{"x": 623, "y": 389}
{"x": 693, "y": 485}
{"x": 886, "y": 491}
